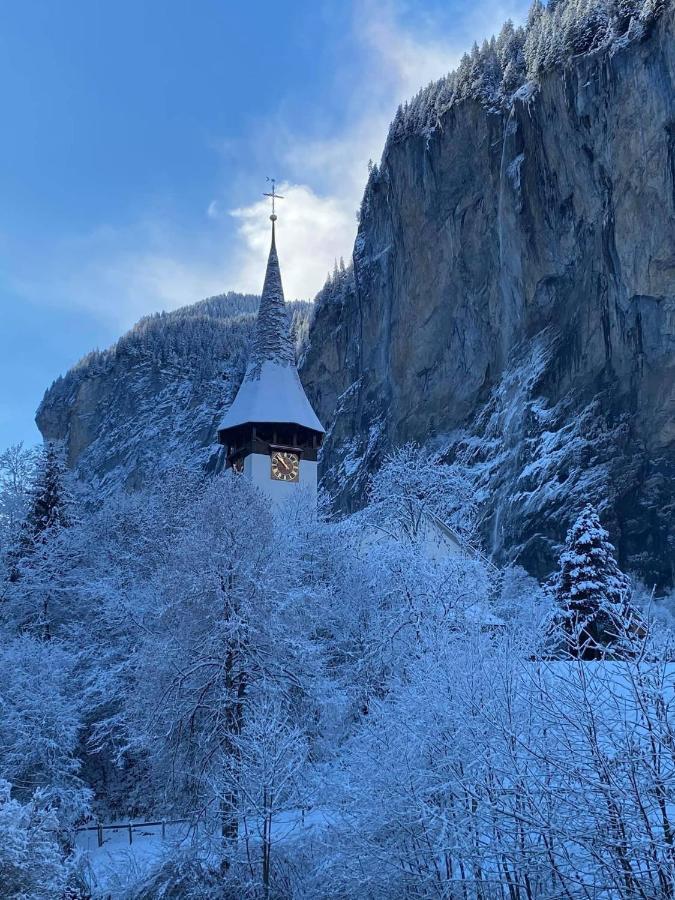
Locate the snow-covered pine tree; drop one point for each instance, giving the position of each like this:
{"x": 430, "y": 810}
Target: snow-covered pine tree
{"x": 38, "y": 565}
{"x": 463, "y": 76}
{"x": 48, "y": 506}
{"x": 50, "y": 503}
{"x": 534, "y": 30}
{"x": 489, "y": 79}
{"x": 509, "y": 46}
{"x": 504, "y": 42}
{"x": 476, "y": 70}
{"x": 594, "y": 618}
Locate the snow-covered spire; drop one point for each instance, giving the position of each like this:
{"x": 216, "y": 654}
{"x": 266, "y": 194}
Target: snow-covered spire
{"x": 272, "y": 341}
{"x": 271, "y": 391}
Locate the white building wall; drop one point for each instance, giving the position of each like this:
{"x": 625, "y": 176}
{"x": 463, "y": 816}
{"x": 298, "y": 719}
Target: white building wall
{"x": 258, "y": 467}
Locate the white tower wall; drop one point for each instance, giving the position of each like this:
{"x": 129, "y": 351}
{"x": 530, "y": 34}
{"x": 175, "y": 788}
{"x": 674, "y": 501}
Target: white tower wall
{"x": 258, "y": 467}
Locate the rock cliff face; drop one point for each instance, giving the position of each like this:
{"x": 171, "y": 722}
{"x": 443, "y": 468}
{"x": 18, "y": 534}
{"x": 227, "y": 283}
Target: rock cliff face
{"x": 513, "y": 301}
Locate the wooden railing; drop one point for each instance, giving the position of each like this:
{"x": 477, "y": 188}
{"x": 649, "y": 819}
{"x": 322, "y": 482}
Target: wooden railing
{"x": 129, "y": 827}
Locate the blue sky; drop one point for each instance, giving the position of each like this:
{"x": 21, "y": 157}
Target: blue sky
{"x": 137, "y": 138}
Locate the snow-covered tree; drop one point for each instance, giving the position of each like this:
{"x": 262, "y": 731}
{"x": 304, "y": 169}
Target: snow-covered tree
{"x": 31, "y": 859}
{"x": 217, "y": 624}
{"x": 266, "y": 776}
{"x": 594, "y": 617}
{"x": 510, "y": 49}
{"x": 41, "y": 591}
{"x": 37, "y": 562}
{"x": 17, "y": 465}
{"x": 50, "y": 495}
{"x": 414, "y": 483}
{"x": 40, "y": 724}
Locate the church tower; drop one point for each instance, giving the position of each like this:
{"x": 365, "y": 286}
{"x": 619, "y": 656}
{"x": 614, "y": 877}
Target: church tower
{"x": 271, "y": 432}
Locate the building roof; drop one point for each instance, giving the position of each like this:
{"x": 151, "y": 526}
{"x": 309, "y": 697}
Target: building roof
{"x": 271, "y": 390}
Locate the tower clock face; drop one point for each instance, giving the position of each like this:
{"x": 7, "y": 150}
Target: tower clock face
{"x": 285, "y": 466}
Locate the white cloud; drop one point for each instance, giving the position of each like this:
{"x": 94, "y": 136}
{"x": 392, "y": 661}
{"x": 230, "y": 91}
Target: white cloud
{"x": 318, "y": 220}
{"x": 121, "y": 274}
{"x": 311, "y": 226}
{"x": 318, "y": 223}
{"x": 413, "y": 58}
{"x": 396, "y": 63}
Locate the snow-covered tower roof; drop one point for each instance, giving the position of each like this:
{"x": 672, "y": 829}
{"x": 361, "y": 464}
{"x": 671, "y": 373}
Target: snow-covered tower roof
{"x": 271, "y": 391}
{"x": 272, "y": 340}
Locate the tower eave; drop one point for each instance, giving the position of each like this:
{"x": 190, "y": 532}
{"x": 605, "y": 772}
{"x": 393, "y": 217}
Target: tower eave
{"x": 276, "y": 395}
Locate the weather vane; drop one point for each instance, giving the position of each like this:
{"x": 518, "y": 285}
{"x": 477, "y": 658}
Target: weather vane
{"x": 273, "y": 194}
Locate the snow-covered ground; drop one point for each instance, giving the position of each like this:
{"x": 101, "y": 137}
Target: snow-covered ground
{"x": 118, "y": 864}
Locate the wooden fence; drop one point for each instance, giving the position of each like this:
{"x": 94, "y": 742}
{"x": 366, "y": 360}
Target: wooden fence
{"x": 130, "y": 826}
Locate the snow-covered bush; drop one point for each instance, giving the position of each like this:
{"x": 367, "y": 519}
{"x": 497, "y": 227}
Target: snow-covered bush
{"x": 182, "y": 875}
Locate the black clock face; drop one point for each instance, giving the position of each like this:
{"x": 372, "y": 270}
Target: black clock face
{"x": 285, "y": 466}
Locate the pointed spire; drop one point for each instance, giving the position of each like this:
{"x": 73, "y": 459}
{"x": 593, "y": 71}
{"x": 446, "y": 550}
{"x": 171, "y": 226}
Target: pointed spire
{"x": 272, "y": 336}
{"x": 271, "y": 391}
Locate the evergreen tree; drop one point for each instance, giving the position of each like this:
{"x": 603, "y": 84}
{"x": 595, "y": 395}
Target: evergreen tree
{"x": 594, "y": 618}
{"x": 41, "y": 562}
{"x": 489, "y": 77}
{"x": 465, "y": 75}
{"x": 622, "y": 11}
{"x": 50, "y": 501}
{"x": 535, "y": 26}
{"x": 509, "y": 47}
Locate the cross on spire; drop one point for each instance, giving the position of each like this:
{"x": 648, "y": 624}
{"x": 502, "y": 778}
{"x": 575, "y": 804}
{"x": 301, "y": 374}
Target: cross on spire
{"x": 273, "y": 194}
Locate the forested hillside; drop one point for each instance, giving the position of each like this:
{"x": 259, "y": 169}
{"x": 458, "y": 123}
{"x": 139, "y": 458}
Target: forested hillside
{"x": 153, "y": 400}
